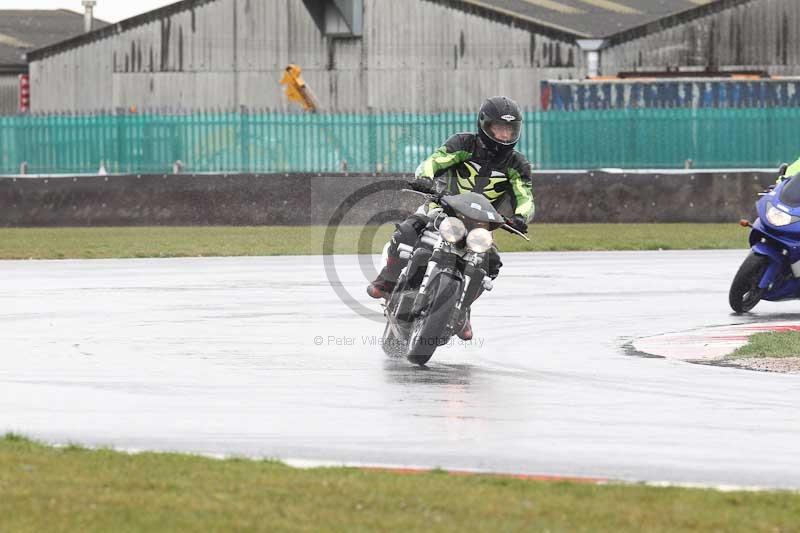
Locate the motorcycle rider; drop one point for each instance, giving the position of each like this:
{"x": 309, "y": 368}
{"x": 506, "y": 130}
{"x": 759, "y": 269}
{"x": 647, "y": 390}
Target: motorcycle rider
{"x": 484, "y": 162}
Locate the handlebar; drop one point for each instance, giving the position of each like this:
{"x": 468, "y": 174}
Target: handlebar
{"x": 436, "y": 197}
{"x": 508, "y": 228}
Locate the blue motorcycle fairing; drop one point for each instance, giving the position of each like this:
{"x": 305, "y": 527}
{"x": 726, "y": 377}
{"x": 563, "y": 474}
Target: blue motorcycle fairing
{"x": 780, "y": 244}
{"x": 782, "y": 197}
{"x": 776, "y": 264}
{"x": 788, "y": 290}
{"x": 763, "y": 229}
{"x": 784, "y": 237}
{"x": 779, "y": 265}
{"x": 775, "y": 276}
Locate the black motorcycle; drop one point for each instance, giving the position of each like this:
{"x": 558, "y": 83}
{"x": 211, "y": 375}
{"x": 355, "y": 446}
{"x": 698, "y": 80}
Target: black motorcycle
{"x": 443, "y": 276}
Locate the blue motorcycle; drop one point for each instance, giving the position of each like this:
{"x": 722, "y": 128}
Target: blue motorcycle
{"x": 772, "y": 269}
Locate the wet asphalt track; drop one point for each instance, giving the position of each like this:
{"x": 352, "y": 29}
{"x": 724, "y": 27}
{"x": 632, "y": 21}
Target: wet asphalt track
{"x": 224, "y": 356}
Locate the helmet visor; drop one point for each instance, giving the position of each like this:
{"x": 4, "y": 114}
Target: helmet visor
{"x": 502, "y": 131}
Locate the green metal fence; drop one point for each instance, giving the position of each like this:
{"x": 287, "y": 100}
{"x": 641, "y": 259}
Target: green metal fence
{"x": 390, "y": 142}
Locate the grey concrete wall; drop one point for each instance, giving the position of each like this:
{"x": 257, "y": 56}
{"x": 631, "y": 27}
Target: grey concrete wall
{"x": 288, "y": 199}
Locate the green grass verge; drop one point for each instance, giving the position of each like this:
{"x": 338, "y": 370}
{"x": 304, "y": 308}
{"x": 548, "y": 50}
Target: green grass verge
{"x": 770, "y": 344}
{"x": 91, "y": 243}
{"x": 74, "y": 489}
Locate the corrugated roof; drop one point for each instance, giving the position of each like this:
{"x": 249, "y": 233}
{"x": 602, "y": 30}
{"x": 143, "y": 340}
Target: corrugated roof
{"x": 113, "y": 29}
{"x": 22, "y": 30}
{"x": 595, "y": 18}
{"x": 616, "y": 20}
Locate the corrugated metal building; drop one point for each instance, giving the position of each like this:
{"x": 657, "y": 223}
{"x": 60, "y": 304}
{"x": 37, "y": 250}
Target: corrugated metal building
{"x": 727, "y": 34}
{"x": 9, "y": 92}
{"x": 24, "y": 30}
{"x": 420, "y": 55}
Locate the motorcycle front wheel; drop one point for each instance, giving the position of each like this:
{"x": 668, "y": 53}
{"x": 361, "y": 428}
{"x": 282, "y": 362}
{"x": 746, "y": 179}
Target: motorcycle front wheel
{"x": 428, "y": 331}
{"x": 745, "y": 292}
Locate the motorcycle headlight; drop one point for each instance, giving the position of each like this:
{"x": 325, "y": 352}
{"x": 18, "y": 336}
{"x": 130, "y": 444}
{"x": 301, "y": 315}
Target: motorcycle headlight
{"x": 479, "y": 240}
{"x": 452, "y": 230}
{"x": 776, "y": 217}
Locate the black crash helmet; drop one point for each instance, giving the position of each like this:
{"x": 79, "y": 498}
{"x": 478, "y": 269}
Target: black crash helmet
{"x": 499, "y": 123}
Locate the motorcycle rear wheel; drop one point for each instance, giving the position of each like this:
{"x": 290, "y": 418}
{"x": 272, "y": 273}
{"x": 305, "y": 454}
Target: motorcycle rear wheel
{"x": 745, "y": 292}
{"x": 391, "y": 344}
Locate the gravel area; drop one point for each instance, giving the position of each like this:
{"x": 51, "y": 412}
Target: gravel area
{"x": 786, "y": 365}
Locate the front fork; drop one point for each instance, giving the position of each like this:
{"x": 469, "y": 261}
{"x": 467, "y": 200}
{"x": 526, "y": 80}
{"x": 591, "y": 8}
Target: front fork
{"x": 776, "y": 264}
{"x": 433, "y": 263}
{"x": 473, "y": 276}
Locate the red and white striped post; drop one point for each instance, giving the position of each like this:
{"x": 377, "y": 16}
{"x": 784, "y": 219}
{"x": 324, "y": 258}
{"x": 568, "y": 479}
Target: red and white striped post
{"x": 24, "y": 93}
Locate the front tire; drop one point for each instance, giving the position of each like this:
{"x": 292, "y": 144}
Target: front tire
{"x": 745, "y": 292}
{"x": 428, "y": 330}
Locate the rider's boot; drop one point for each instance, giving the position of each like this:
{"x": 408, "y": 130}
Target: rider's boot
{"x": 466, "y": 332}
{"x": 383, "y": 285}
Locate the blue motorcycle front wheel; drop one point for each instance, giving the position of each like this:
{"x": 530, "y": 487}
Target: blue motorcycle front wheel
{"x": 745, "y": 292}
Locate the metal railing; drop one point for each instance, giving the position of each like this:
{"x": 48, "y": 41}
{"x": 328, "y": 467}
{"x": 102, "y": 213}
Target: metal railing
{"x": 390, "y": 142}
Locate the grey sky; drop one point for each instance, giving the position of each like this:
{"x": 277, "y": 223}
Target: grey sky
{"x": 108, "y": 10}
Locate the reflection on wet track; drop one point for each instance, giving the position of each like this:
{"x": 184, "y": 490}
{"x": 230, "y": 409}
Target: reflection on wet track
{"x": 259, "y": 356}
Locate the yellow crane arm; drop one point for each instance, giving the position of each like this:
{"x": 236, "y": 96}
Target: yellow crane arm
{"x": 297, "y": 90}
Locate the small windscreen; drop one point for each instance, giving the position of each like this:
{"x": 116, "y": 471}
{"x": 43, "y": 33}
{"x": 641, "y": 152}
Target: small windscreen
{"x": 474, "y": 207}
{"x": 790, "y": 195}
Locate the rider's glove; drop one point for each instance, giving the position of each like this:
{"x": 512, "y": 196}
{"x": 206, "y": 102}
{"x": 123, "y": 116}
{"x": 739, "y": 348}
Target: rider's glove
{"x": 782, "y": 170}
{"x": 781, "y": 177}
{"x": 519, "y": 223}
{"x": 423, "y": 185}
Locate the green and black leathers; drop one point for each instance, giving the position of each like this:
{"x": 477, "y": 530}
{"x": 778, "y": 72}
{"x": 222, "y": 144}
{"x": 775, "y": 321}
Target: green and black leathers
{"x": 463, "y": 164}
